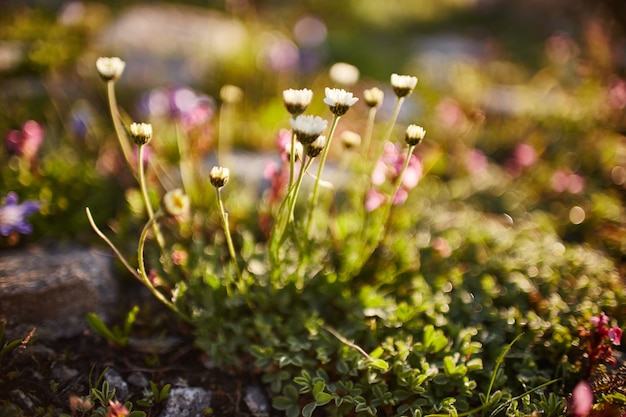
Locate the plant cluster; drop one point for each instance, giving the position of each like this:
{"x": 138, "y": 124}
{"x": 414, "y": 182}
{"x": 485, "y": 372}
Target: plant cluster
{"x": 364, "y": 298}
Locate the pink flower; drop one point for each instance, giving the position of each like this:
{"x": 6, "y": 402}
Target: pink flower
{"x": 476, "y": 162}
{"x": 599, "y": 321}
{"x": 525, "y": 155}
{"x": 450, "y": 114}
{"x": 562, "y": 180}
{"x": 374, "y": 199}
{"x": 116, "y": 409}
{"x": 617, "y": 93}
{"x": 615, "y": 335}
{"x": 25, "y": 142}
{"x": 582, "y": 400}
{"x": 387, "y": 170}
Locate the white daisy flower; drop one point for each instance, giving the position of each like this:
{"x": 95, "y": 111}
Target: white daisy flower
{"x": 403, "y": 85}
{"x": 339, "y": 100}
{"x": 297, "y": 101}
{"x": 308, "y": 128}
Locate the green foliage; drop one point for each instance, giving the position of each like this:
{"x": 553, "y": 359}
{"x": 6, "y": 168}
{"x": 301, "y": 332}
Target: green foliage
{"x": 468, "y": 299}
{"x": 7, "y": 346}
{"x": 154, "y": 395}
{"x": 118, "y": 336}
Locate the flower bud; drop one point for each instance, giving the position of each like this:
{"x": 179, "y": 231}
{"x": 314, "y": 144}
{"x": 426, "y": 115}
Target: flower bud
{"x": 231, "y": 94}
{"x": 403, "y": 85}
{"x": 110, "y": 69}
{"x": 316, "y": 147}
{"x": 297, "y": 101}
{"x": 141, "y": 133}
{"x": 414, "y": 135}
{"x": 344, "y": 73}
{"x": 373, "y": 97}
{"x": 350, "y": 139}
{"x": 219, "y": 176}
{"x": 307, "y": 128}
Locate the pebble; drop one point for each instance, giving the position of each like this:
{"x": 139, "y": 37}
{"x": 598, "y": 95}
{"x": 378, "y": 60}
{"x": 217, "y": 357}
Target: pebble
{"x": 187, "y": 402}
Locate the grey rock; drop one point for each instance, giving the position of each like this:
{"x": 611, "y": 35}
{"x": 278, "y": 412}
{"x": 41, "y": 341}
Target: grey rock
{"x": 257, "y": 401}
{"x": 22, "y": 399}
{"x": 116, "y": 381}
{"x": 187, "y": 402}
{"x": 53, "y": 289}
{"x": 63, "y": 373}
{"x": 138, "y": 379}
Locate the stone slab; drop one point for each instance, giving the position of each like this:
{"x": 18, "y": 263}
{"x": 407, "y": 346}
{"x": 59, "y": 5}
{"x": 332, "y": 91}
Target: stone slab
{"x": 53, "y": 289}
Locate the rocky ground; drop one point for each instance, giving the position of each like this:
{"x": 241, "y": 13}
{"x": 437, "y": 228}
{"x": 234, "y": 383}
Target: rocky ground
{"x": 63, "y": 358}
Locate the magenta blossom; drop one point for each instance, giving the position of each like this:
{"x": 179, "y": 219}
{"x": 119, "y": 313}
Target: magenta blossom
{"x": 601, "y": 338}
{"x": 387, "y": 170}
{"x": 13, "y": 215}
{"x": 581, "y": 401}
{"x": 25, "y": 142}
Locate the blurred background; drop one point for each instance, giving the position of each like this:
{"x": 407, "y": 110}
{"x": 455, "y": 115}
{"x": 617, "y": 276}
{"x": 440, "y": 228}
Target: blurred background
{"x": 523, "y": 101}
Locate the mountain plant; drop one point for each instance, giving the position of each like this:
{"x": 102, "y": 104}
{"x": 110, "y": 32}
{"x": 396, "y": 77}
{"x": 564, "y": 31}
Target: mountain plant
{"x": 362, "y": 287}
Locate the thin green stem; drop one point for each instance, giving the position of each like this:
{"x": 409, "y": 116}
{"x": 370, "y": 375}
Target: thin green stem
{"x": 316, "y": 187}
{"x": 111, "y": 245}
{"x": 229, "y": 240}
{"x": 142, "y": 268}
{"x": 369, "y": 130}
{"x": 398, "y": 184}
{"x": 296, "y": 187}
{"x": 370, "y": 246}
{"x": 292, "y": 159}
{"x": 146, "y": 198}
{"x": 394, "y": 118}
{"x": 117, "y": 123}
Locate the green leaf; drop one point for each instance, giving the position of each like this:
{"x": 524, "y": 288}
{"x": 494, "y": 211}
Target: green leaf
{"x": 100, "y": 327}
{"x": 281, "y": 402}
{"x": 380, "y": 365}
{"x": 130, "y": 319}
{"x": 307, "y": 411}
{"x": 449, "y": 365}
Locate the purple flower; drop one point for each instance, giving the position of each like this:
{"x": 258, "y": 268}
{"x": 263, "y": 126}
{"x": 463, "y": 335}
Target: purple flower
{"x": 13, "y": 215}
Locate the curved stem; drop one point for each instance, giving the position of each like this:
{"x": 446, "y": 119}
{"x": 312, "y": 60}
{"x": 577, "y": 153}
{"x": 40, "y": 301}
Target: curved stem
{"x": 316, "y": 188}
{"x": 119, "y": 129}
{"x": 111, "y": 245}
{"x": 142, "y": 269}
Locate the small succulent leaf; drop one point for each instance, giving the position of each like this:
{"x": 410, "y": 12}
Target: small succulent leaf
{"x": 380, "y": 365}
{"x": 449, "y": 365}
{"x": 318, "y": 387}
{"x": 281, "y": 402}
{"x": 307, "y": 410}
